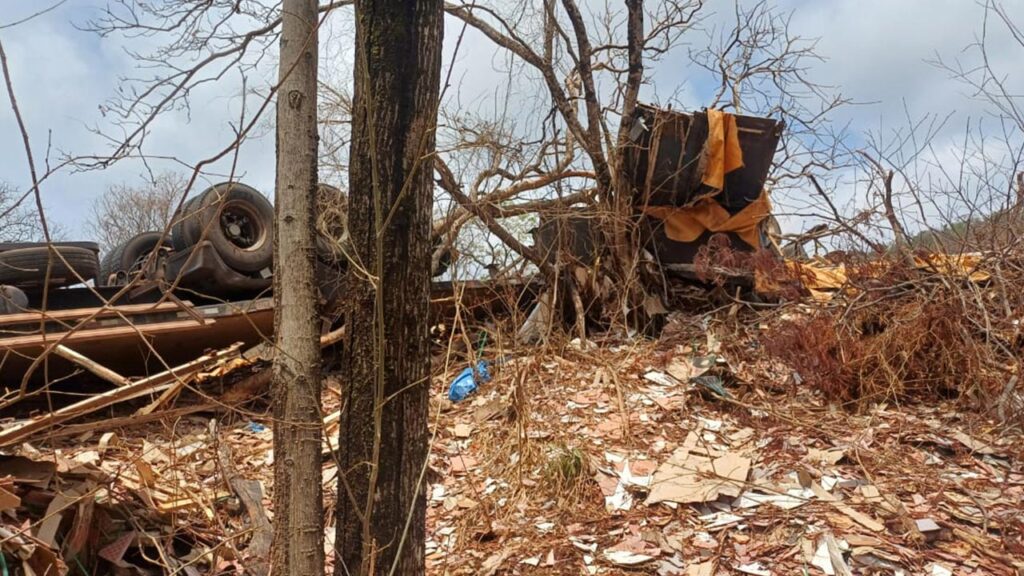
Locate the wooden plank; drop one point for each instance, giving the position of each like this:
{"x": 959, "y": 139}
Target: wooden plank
{"x": 8, "y": 500}
{"x": 247, "y": 389}
{"x": 151, "y": 385}
{"x": 836, "y": 557}
{"x": 98, "y": 333}
{"x": 133, "y": 420}
{"x": 76, "y": 313}
{"x": 171, "y": 392}
{"x": 94, "y": 367}
{"x": 186, "y": 502}
{"x": 46, "y": 531}
{"x": 250, "y": 494}
{"x": 77, "y": 539}
{"x": 330, "y": 434}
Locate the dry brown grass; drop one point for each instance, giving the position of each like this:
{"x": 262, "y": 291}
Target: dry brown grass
{"x": 907, "y": 334}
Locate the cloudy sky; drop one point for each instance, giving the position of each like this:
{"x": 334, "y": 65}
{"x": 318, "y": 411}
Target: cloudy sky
{"x": 875, "y": 51}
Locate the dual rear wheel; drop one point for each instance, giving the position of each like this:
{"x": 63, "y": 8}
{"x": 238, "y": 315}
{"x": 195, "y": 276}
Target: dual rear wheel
{"x": 235, "y": 218}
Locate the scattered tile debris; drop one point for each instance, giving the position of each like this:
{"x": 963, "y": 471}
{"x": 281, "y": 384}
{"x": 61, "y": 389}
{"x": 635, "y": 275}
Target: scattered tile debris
{"x": 652, "y": 477}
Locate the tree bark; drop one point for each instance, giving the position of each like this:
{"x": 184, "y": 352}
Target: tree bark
{"x": 298, "y": 499}
{"x": 383, "y": 434}
{"x": 621, "y": 236}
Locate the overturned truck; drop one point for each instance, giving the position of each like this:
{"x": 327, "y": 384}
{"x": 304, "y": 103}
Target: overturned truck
{"x": 158, "y": 300}
{"x": 694, "y": 175}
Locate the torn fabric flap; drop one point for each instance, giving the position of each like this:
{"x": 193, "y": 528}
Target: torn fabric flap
{"x": 722, "y": 148}
{"x": 686, "y": 224}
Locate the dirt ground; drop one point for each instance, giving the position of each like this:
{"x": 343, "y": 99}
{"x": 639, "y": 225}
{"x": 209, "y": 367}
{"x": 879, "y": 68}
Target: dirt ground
{"x": 674, "y": 456}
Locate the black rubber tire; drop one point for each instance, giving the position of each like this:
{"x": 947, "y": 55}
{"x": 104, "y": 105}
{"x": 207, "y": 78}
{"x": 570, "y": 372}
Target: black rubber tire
{"x": 12, "y": 300}
{"x": 183, "y": 223}
{"x": 26, "y": 267}
{"x": 6, "y": 246}
{"x": 205, "y": 219}
{"x": 124, "y": 258}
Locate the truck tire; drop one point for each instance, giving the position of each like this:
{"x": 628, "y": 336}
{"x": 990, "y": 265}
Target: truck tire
{"x": 182, "y": 225}
{"x": 12, "y": 300}
{"x": 128, "y": 258}
{"x": 26, "y": 267}
{"x": 236, "y": 219}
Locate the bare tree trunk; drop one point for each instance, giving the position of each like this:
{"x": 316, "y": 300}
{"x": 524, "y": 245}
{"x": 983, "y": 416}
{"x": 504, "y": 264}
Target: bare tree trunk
{"x": 623, "y": 240}
{"x": 383, "y": 438}
{"x": 298, "y": 504}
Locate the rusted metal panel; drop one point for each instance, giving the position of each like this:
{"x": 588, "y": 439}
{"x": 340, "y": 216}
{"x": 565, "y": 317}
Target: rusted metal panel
{"x": 668, "y": 251}
{"x": 664, "y": 160}
{"x": 119, "y": 341}
{"x": 664, "y": 155}
{"x": 117, "y": 337}
{"x": 572, "y": 233}
{"x": 664, "y": 163}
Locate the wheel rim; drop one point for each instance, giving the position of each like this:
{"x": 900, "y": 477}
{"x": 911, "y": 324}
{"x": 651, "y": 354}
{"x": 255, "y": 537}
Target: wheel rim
{"x": 241, "y": 225}
{"x": 137, "y": 265}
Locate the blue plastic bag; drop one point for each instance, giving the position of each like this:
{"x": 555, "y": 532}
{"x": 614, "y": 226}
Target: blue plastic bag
{"x": 255, "y": 427}
{"x": 468, "y": 380}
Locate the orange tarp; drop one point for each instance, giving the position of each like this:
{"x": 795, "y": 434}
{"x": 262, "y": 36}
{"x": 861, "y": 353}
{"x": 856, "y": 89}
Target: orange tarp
{"x": 686, "y": 224}
{"x": 722, "y": 155}
{"x": 722, "y": 148}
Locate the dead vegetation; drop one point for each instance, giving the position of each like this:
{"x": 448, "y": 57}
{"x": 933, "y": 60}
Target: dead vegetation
{"x": 889, "y": 488}
{"x": 903, "y": 333}
{"x": 854, "y": 408}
